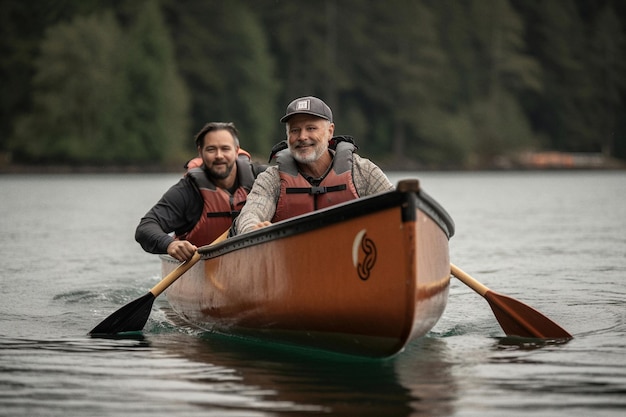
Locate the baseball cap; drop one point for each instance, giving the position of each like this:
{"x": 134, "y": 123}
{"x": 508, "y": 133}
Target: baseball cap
{"x": 308, "y": 105}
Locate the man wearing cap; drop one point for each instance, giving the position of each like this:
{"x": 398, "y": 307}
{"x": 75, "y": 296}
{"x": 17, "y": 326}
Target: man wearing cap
{"x": 316, "y": 170}
{"x": 203, "y": 204}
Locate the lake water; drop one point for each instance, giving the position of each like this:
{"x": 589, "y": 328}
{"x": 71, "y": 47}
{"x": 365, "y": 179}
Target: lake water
{"x": 554, "y": 240}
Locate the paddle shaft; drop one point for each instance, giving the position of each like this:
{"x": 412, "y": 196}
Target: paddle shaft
{"x": 175, "y": 274}
{"x": 182, "y": 268}
{"x": 468, "y": 280}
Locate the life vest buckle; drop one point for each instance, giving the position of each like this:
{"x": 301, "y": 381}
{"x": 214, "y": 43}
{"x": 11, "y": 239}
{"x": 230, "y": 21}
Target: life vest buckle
{"x": 318, "y": 190}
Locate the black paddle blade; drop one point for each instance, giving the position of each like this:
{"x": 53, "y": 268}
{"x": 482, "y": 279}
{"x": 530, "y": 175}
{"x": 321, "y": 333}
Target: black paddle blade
{"x": 130, "y": 318}
{"x": 518, "y": 319}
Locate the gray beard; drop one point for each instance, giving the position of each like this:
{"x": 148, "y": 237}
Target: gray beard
{"x": 311, "y": 157}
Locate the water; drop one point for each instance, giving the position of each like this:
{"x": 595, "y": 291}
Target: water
{"x": 552, "y": 240}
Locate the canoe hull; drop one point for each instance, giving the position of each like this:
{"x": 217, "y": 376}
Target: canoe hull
{"x": 365, "y": 285}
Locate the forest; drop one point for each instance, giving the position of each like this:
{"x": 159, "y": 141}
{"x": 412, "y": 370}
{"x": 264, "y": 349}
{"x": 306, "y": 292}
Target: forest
{"x": 419, "y": 84}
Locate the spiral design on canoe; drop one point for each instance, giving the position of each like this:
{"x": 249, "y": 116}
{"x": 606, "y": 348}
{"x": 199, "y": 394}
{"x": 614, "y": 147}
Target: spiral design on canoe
{"x": 369, "y": 260}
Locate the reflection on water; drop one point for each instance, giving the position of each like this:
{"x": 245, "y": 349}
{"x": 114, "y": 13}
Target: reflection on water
{"x": 216, "y": 372}
{"x": 314, "y": 381}
{"x": 425, "y": 370}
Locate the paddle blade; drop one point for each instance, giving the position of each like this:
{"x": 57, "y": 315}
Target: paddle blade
{"x": 518, "y": 319}
{"x": 130, "y": 318}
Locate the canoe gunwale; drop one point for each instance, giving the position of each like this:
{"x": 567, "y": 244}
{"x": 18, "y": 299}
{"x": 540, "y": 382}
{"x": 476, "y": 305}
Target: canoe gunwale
{"x": 410, "y": 201}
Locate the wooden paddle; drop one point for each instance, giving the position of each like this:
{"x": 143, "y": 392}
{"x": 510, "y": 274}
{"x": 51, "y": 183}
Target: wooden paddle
{"x": 134, "y": 315}
{"x": 515, "y": 317}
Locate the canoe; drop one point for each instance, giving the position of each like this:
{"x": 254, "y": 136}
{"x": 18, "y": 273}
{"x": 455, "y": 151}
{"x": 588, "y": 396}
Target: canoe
{"x": 361, "y": 278}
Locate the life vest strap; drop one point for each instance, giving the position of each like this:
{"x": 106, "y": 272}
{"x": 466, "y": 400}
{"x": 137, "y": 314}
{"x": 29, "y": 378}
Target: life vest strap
{"x": 232, "y": 214}
{"x": 315, "y": 190}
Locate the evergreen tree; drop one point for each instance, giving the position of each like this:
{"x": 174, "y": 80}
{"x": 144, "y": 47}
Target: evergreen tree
{"x": 606, "y": 106}
{"x": 75, "y": 86}
{"x": 224, "y": 56}
{"x": 557, "y": 38}
{"x": 156, "y": 119}
{"x": 486, "y": 43}
{"x": 22, "y": 26}
{"x": 104, "y": 95}
{"x": 405, "y": 83}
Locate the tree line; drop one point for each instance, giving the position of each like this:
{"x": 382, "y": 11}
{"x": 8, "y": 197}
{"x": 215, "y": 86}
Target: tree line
{"x": 418, "y": 83}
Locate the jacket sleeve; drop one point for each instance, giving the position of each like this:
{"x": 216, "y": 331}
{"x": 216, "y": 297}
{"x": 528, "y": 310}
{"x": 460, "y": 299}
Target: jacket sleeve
{"x": 369, "y": 178}
{"x": 261, "y": 202}
{"x": 177, "y": 212}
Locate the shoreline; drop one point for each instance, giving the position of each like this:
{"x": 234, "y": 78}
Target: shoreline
{"x": 530, "y": 161}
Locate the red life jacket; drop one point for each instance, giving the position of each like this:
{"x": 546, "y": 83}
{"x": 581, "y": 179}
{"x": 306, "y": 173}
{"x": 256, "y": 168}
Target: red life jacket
{"x": 220, "y": 207}
{"x": 298, "y": 196}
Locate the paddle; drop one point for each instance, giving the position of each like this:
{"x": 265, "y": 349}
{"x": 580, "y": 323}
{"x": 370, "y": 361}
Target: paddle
{"x": 515, "y": 317}
{"x": 134, "y": 315}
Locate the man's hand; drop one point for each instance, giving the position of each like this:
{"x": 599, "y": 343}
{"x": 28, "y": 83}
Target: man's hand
{"x": 261, "y": 224}
{"x": 181, "y": 250}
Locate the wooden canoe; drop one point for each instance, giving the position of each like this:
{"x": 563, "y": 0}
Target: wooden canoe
{"x": 364, "y": 277}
